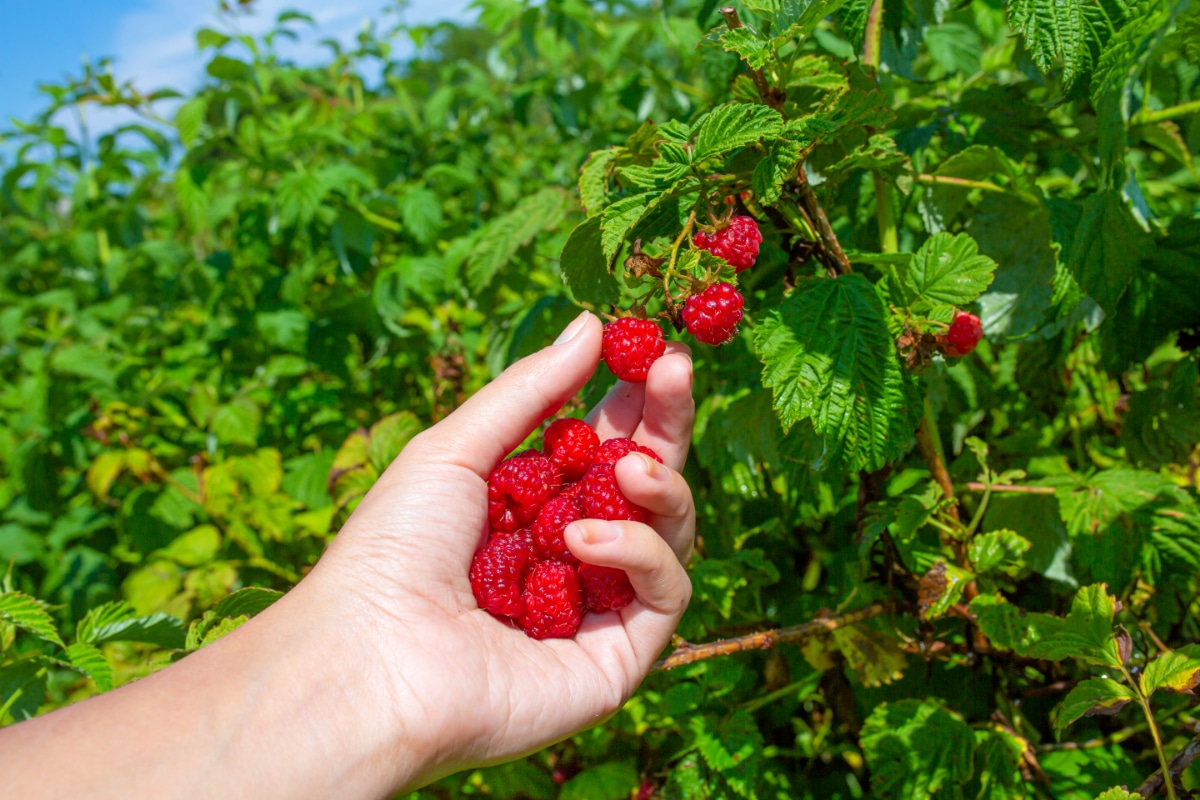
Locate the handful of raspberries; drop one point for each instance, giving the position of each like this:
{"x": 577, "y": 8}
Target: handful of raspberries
{"x": 525, "y": 571}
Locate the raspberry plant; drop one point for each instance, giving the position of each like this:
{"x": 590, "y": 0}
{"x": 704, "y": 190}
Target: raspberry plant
{"x": 921, "y": 571}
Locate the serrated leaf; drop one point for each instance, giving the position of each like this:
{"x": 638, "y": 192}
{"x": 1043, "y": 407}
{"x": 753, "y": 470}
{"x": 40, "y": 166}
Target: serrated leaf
{"x": 733, "y": 125}
{"x": 1066, "y": 31}
{"x": 1107, "y": 248}
{"x": 246, "y": 602}
{"x": 593, "y": 180}
{"x": 421, "y": 212}
{"x": 30, "y": 615}
{"x": 999, "y": 551}
{"x": 584, "y": 266}
{"x": 659, "y": 174}
{"x": 777, "y": 167}
{"x": 751, "y": 46}
{"x": 999, "y": 756}
{"x": 838, "y": 115}
{"x": 507, "y": 234}
{"x": 1119, "y": 793}
{"x": 917, "y": 749}
{"x": 947, "y": 270}
{"x": 1094, "y": 696}
{"x": 829, "y": 358}
{"x": 1085, "y": 633}
{"x": 89, "y": 660}
{"x": 226, "y": 626}
{"x": 1163, "y": 423}
{"x": 620, "y": 218}
{"x": 878, "y": 154}
{"x": 940, "y": 588}
{"x": 1178, "y": 671}
{"x": 875, "y": 657}
{"x": 612, "y": 781}
{"x": 117, "y": 622}
{"x": 388, "y": 437}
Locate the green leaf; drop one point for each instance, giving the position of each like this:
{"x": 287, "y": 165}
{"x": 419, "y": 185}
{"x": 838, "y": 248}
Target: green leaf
{"x": 733, "y": 125}
{"x": 612, "y": 781}
{"x": 1119, "y": 793}
{"x": 1178, "y": 671}
{"x": 829, "y": 358}
{"x": 118, "y": 622}
{"x": 620, "y": 218}
{"x": 1085, "y": 633}
{"x": 1163, "y": 423}
{"x": 999, "y": 756}
{"x": 1094, "y": 696}
{"x": 840, "y": 114}
{"x": 878, "y": 154}
{"x": 947, "y": 270}
{"x": 421, "y": 212}
{"x": 246, "y": 602}
{"x": 1066, "y": 31}
{"x": 593, "y": 180}
{"x": 659, "y": 175}
{"x": 287, "y": 329}
{"x": 750, "y": 46}
{"x": 1107, "y": 248}
{"x": 29, "y": 614}
{"x": 505, "y": 235}
{"x": 237, "y": 422}
{"x": 89, "y": 660}
{"x": 999, "y": 551}
{"x": 388, "y": 437}
{"x": 23, "y": 687}
{"x": 940, "y": 588}
{"x": 732, "y": 747}
{"x": 84, "y": 361}
{"x": 104, "y": 471}
{"x": 775, "y": 169}
{"x": 194, "y": 548}
{"x": 585, "y": 267}
{"x": 917, "y": 749}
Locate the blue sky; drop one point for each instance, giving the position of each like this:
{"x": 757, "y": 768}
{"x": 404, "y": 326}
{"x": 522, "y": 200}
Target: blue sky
{"x": 152, "y": 40}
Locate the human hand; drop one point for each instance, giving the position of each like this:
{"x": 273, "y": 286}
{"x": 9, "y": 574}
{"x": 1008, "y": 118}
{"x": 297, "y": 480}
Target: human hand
{"x": 486, "y": 692}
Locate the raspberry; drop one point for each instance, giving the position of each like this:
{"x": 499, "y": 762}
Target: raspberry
{"x": 737, "y": 243}
{"x": 571, "y": 445}
{"x": 496, "y": 573}
{"x": 553, "y": 602}
{"x": 613, "y": 450}
{"x": 556, "y": 515}
{"x": 713, "y": 315}
{"x": 630, "y": 346}
{"x": 964, "y": 334}
{"x": 518, "y": 488}
{"x": 646, "y": 791}
{"x": 605, "y": 588}
{"x": 602, "y": 498}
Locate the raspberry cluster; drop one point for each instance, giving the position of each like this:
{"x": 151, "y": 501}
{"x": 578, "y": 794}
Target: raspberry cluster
{"x": 711, "y": 312}
{"x": 524, "y": 571}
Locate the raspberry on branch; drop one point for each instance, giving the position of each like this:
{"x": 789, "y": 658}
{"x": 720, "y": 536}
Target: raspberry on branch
{"x": 518, "y": 488}
{"x": 964, "y": 334}
{"x": 605, "y": 588}
{"x": 553, "y": 601}
{"x": 571, "y": 445}
{"x": 737, "y": 243}
{"x": 713, "y": 315}
{"x": 630, "y": 346}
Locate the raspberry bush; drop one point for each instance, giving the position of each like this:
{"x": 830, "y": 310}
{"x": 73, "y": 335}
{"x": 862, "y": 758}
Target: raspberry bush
{"x": 937, "y": 558}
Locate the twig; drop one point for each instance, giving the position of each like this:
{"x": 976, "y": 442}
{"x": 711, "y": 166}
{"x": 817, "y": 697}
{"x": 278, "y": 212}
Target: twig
{"x": 977, "y": 486}
{"x": 764, "y": 640}
{"x": 1178, "y": 764}
{"x": 1147, "y": 117}
{"x": 933, "y": 459}
{"x": 832, "y": 249}
{"x": 964, "y": 182}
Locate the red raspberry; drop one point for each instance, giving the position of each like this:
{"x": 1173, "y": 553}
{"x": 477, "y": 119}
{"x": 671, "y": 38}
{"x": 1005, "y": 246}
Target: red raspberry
{"x": 605, "y": 588}
{"x": 613, "y": 450}
{"x": 571, "y": 445}
{"x": 964, "y": 334}
{"x": 713, "y": 315}
{"x": 646, "y": 790}
{"x": 553, "y": 602}
{"x": 602, "y": 498}
{"x": 556, "y": 515}
{"x": 518, "y": 488}
{"x": 737, "y": 243}
{"x": 496, "y": 573}
{"x": 630, "y": 346}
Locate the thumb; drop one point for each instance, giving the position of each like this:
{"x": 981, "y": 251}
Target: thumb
{"x": 496, "y": 418}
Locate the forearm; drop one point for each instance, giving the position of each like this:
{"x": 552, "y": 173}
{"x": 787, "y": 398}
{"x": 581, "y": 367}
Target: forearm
{"x": 275, "y": 709}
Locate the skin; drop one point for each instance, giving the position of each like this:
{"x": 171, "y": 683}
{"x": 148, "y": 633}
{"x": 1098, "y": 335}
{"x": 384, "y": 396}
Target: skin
{"x": 378, "y": 672}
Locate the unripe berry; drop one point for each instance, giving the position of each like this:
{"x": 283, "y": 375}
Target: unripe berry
{"x": 737, "y": 243}
{"x": 713, "y": 315}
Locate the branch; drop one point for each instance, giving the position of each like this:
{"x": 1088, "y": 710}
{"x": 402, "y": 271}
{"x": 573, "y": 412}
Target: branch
{"x": 1147, "y": 117}
{"x": 964, "y": 182}
{"x": 733, "y": 21}
{"x": 976, "y": 486}
{"x": 932, "y": 455}
{"x": 1179, "y": 763}
{"x": 832, "y": 249}
{"x": 764, "y": 640}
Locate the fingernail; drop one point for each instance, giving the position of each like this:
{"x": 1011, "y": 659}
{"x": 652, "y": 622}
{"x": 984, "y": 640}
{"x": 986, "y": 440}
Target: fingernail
{"x": 653, "y": 469}
{"x": 574, "y": 329}
{"x": 599, "y": 532}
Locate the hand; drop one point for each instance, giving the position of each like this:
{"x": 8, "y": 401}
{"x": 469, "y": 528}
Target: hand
{"x": 485, "y": 691}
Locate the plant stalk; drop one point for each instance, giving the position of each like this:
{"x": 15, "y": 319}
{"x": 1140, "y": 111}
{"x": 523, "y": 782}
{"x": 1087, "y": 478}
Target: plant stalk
{"x": 1145, "y": 117}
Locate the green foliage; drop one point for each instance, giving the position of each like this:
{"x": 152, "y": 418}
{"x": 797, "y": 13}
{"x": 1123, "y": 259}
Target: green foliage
{"x": 216, "y": 332}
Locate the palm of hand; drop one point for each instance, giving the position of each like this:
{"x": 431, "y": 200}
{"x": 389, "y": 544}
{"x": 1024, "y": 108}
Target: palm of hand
{"x": 410, "y": 543}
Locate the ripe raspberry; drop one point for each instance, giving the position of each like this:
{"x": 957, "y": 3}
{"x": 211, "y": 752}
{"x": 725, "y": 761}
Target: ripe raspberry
{"x": 964, "y": 334}
{"x": 630, "y": 346}
{"x": 646, "y": 790}
{"x": 496, "y": 573}
{"x": 605, "y": 588}
{"x": 602, "y": 498}
{"x": 737, "y": 243}
{"x": 556, "y": 515}
{"x": 713, "y": 315}
{"x": 571, "y": 445}
{"x": 518, "y": 488}
{"x": 553, "y": 602}
{"x": 613, "y": 450}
